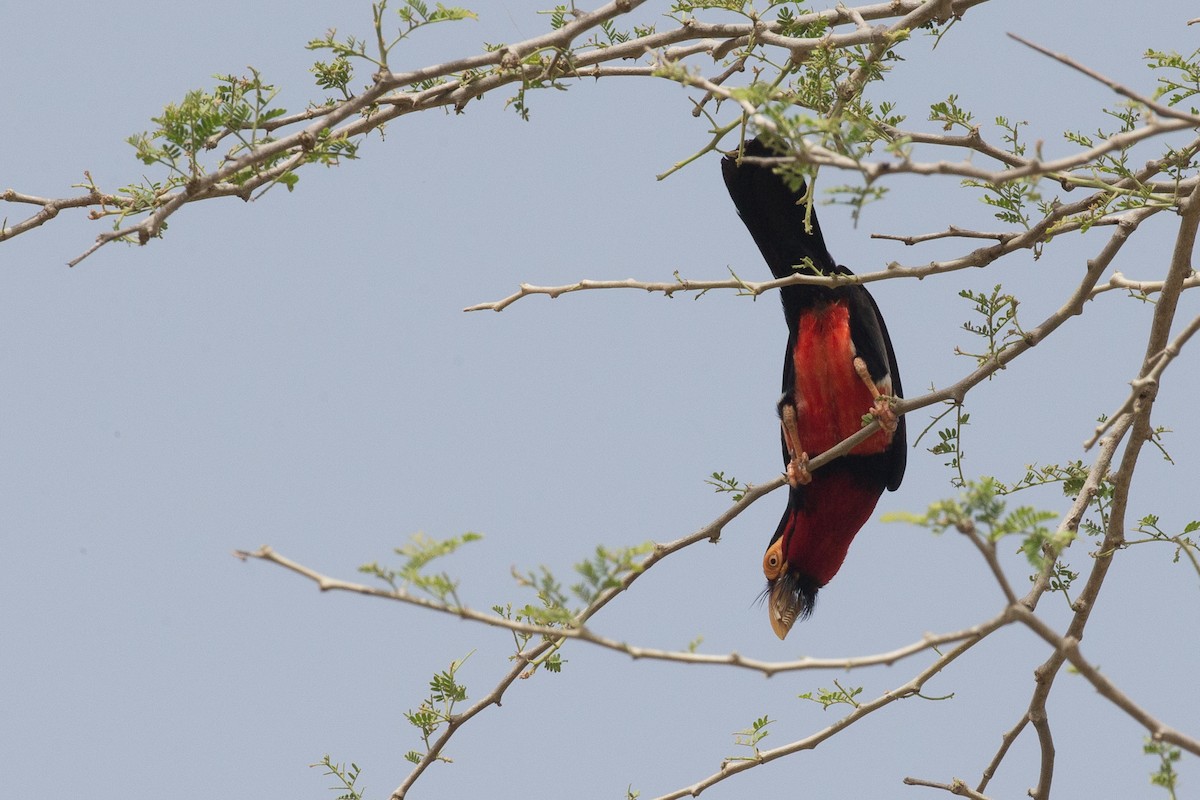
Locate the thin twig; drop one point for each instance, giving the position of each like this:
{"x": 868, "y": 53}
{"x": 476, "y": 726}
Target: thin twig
{"x": 956, "y": 787}
{"x": 1149, "y": 382}
{"x": 1119, "y": 281}
{"x": 1158, "y": 108}
{"x": 952, "y": 232}
{"x": 913, "y": 687}
{"x": 975, "y": 259}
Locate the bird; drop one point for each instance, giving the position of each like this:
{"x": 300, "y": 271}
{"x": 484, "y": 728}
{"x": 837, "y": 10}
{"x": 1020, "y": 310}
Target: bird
{"x": 839, "y": 365}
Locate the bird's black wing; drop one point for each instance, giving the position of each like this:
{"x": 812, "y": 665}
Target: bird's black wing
{"x": 873, "y": 344}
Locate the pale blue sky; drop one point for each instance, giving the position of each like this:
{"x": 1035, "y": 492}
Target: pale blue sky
{"x": 299, "y": 372}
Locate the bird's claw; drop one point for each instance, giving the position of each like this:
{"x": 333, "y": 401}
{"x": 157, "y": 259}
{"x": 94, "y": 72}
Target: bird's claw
{"x": 797, "y": 471}
{"x": 881, "y": 409}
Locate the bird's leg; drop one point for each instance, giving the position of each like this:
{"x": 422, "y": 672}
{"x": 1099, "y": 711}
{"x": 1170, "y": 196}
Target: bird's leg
{"x": 797, "y": 468}
{"x": 882, "y": 407}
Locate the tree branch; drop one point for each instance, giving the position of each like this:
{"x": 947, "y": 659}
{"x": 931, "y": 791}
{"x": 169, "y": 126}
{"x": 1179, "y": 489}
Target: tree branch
{"x": 730, "y": 768}
{"x": 1138, "y": 422}
{"x": 1165, "y": 111}
{"x": 1067, "y": 647}
{"x": 1119, "y": 281}
{"x": 1147, "y": 383}
{"x": 978, "y": 258}
{"x": 461, "y": 81}
{"x": 583, "y": 634}
{"x": 956, "y": 787}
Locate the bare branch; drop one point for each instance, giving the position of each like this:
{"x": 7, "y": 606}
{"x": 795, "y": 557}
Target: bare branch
{"x": 987, "y": 549}
{"x": 730, "y": 768}
{"x": 51, "y": 207}
{"x": 1019, "y": 168}
{"x": 1068, "y": 648}
{"x": 1119, "y": 281}
{"x": 1147, "y": 383}
{"x": 952, "y": 232}
{"x": 1007, "y": 243}
{"x": 956, "y": 787}
{"x": 1165, "y": 111}
{"x": 1006, "y": 742}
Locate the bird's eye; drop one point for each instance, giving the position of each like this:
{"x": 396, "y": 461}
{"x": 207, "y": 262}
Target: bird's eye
{"x": 772, "y": 563}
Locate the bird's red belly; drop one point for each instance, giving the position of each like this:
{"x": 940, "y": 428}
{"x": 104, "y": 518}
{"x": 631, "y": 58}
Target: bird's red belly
{"x": 830, "y": 397}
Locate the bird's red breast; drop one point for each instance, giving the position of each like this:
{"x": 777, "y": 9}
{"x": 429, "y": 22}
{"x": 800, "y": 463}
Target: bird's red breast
{"x": 830, "y": 397}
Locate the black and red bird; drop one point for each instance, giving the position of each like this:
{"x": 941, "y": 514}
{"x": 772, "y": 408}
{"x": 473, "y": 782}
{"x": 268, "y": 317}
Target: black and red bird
{"x": 839, "y": 366}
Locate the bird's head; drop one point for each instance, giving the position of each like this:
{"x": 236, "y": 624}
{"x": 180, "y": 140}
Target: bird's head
{"x": 790, "y": 594}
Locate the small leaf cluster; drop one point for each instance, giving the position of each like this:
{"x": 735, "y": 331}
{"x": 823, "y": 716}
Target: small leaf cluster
{"x": 608, "y": 35}
{"x": 545, "y": 69}
{"x": 1168, "y": 756}
{"x": 1186, "y": 542}
{"x": 839, "y": 695}
{"x": 687, "y": 7}
{"x": 1015, "y": 201}
{"x": 347, "y": 778}
{"x": 1071, "y": 475}
{"x": 998, "y": 327}
{"x": 855, "y": 197}
{"x": 821, "y": 101}
{"x": 950, "y": 441}
{"x": 949, "y": 446}
{"x": 1120, "y": 166}
{"x": 1115, "y": 164}
{"x": 437, "y": 709}
{"x": 951, "y": 115}
{"x": 790, "y": 23}
{"x": 238, "y": 107}
{"x": 413, "y": 15}
{"x": 607, "y": 568}
{"x": 1060, "y": 580}
{"x": 730, "y": 485}
{"x": 335, "y": 75}
{"x": 980, "y": 510}
{"x": 604, "y": 571}
{"x": 825, "y": 103}
{"x": 1184, "y": 83}
{"x": 552, "y": 660}
{"x": 750, "y": 737}
{"x": 556, "y": 609}
{"x": 418, "y": 553}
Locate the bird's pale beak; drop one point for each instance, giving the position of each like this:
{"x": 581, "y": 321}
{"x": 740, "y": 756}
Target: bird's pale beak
{"x": 783, "y": 605}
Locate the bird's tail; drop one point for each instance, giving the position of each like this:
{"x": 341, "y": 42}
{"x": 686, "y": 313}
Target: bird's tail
{"x": 771, "y": 212}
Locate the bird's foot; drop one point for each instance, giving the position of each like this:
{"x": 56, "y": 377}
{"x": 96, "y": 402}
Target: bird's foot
{"x": 797, "y": 471}
{"x": 882, "y": 411}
